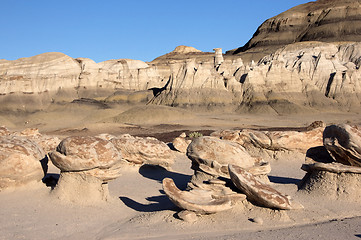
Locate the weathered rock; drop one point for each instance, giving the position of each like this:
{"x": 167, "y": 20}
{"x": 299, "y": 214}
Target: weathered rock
{"x": 322, "y": 20}
{"x": 20, "y": 161}
{"x": 266, "y": 143}
{"x": 187, "y": 216}
{"x": 85, "y": 153}
{"x": 343, "y": 142}
{"x": 46, "y": 142}
{"x": 81, "y": 188}
{"x": 212, "y": 155}
{"x": 333, "y": 167}
{"x": 332, "y": 181}
{"x": 147, "y": 150}
{"x": 87, "y": 164}
{"x": 301, "y": 77}
{"x": 4, "y": 131}
{"x": 199, "y": 201}
{"x": 181, "y": 143}
{"x": 258, "y": 192}
{"x": 333, "y": 170}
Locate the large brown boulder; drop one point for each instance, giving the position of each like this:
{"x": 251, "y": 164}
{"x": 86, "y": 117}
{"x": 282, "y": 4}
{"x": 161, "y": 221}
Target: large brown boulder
{"x": 20, "y": 161}
{"x": 210, "y": 158}
{"x": 87, "y": 164}
{"x": 148, "y": 150}
{"x": 343, "y": 142}
{"x": 259, "y": 192}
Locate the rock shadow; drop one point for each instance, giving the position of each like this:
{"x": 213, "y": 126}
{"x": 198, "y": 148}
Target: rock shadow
{"x": 284, "y": 180}
{"x": 161, "y": 203}
{"x": 159, "y": 173}
{"x": 51, "y": 179}
{"x": 319, "y": 154}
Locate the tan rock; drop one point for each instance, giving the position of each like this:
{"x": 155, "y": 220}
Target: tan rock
{"x": 332, "y": 181}
{"x": 343, "y": 142}
{"x": 181, "y": 143}
{"x": 20, "y": 161}
{"x": 147, "y": 150}
{"x": 87, "y": 164}
{"x": 212, "y": 155}
{"x": 258, "y": 192}
{"x": 85, "y": 153}
{"x": 265, "y": 143}
{"x": 4, "y": 131}
{"x": 187, "y": 216}
{"x": 46, "y": 142}
{"x": 199, "y": 201}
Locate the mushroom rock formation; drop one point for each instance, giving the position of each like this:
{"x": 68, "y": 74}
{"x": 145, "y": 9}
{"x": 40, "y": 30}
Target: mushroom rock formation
{"x": 181, "y": 143}
{"x": 196, "y": 200}
{"x": 332, "y": 180}
{"x": 87, "y": 164}
{"x": 266, "y": 143}
{"x": 335, "y": 169}
{"x": 210, "y": 157}
{"x": 147, "y": 150}
{"x": 259, "y": 192}
{"x": 20, "y": 161}
{"x": 343, "y": 142}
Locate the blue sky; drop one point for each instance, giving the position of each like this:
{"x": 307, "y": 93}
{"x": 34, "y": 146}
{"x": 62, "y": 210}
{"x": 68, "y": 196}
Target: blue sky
{"x": 135, "y": 29}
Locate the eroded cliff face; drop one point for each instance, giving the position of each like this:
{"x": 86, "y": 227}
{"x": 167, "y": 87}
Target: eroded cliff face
{"x": 182, "y": 78}
{"x": 299, "y": 77}
{"x": 302, "y": 77}
{"x": 322, "y": 20}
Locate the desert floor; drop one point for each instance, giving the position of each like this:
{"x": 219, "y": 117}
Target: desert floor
{"x": 139, "y": 209}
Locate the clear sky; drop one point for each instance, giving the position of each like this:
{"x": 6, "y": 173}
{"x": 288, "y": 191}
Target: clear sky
{"x": 135, "y": 29}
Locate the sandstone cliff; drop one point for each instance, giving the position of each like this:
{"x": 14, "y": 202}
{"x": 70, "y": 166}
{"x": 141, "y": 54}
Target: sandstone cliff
{"x": 322, "y": 20}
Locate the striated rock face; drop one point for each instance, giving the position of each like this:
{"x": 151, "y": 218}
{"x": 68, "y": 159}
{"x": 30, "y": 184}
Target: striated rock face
{"x": 322, "y": 20}
{"x": 302, "y": 76}
{"x": 55, "y": 77}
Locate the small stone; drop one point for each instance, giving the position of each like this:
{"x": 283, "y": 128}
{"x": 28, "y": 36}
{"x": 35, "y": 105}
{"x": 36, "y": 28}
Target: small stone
{"x": 188, "y": 216}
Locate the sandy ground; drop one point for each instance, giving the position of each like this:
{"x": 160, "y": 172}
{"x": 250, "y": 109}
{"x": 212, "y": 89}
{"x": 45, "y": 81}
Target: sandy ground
{"x": 139, "y": 208}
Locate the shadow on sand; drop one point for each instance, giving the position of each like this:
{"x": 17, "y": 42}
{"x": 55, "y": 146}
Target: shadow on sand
{"x": 161, "y": 202}
{"x": 284, "y": 180}
{"x": 159, "y": 173}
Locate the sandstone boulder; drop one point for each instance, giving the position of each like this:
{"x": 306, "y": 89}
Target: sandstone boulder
{"x": 266, "y": 143}
{"x": 87, "y": 164}
{"x": 210, "y": 158}
{"x": 258, "y": 192}
{"x": 181, "y": 143}
{"x": 20, "y": 161}
{"x": 343, "y": 142}
{"x": 46, "y": 142}
{"x": 199, "y": 201}
{"x": 146, "y": 150}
